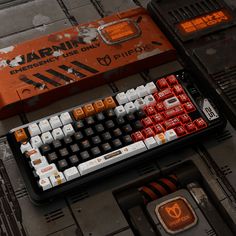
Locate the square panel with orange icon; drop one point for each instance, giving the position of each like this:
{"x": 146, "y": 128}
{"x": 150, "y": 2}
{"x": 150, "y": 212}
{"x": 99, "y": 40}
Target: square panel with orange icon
{"x": 176, "y": 215}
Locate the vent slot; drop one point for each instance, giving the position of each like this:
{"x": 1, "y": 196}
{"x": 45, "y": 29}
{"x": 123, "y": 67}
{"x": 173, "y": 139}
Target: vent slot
{"x": 146, "y": 169}
{"x": 54, "y": 215}
{"x": 223, "y": 136}
{"x": 190, "y": 11}
{"x": 79, "y": 196}
{"x": 211, "y": 232}
{"x": 20, "y": 193}
{"x": 200, "y": 8}
{"x": 193, "y": 10}
{"x": 226, "y": 170}
{"x": 227, "y": 83}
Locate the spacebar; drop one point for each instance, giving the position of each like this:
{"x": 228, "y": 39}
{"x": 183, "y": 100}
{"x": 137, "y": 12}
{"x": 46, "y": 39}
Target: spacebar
{"x": 112, "y": 157}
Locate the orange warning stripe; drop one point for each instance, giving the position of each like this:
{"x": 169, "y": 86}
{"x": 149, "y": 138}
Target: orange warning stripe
{"x": 169, "y": 184}
{"x": 149, "y": 192}
{"x": 159, "y": 188}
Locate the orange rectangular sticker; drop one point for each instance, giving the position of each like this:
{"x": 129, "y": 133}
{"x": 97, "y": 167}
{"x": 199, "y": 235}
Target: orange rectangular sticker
{"x": 204, "y": 21}
{"x": 119, "y": 31}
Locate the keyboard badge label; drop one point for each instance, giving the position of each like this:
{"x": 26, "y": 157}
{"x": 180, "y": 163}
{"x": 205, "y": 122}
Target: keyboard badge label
{"x": 209, "y": 111}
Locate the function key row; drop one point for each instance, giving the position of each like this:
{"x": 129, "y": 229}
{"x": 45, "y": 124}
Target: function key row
{"x": 149, "y": 89}
{"x": 47, "y": 125}
{"x": 93, "y": 108}
{"x": 134, "y": 94}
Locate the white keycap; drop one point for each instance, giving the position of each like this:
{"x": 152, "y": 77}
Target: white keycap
{"x": 92, "y": 165}
{"x": 71, "y": 173}
{"x": 122, "y": 98}
{"x": 68, "y": 130}
{"x": 151, "y": 88}
{"x": 47, "y": 171}
{"x": 25, "y": 147}
{"x": 150, "y": 100}
{"x": 39, "y": 162}
{"x": 125, "y": 152}
{"x": 112, "y": 157}
{"x": 44, "y": 126}
{"x": 65, "y": 118}
{"x": 57, "y": 179}
{"x": 140, "y": 103}
{"x": 36, "y": 142}
{"x": 55, "y": 122}
{"x": 34, "y": 129}
{"x": 33, "y": 154}
{"x": 141, "y": 91}
{"x": 45, "y": 184}
{"x": 47, "y": 137}
{"x": 131, "y": 95}
{"x": 160, "y": 138}
{"x": 120, "y": 111}
{"x": 58, "y": 134}
{"x": 130, "y": 107}
{"x": 171, "y": 102}
{"x": 170, "y": 135}
{"x": 150, "y": 142}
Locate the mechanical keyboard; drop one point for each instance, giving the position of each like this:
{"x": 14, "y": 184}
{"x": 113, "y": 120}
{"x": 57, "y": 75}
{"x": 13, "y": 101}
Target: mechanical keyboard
{"x": 66, "y": 150}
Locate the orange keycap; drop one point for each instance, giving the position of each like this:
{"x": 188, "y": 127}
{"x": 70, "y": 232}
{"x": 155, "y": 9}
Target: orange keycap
{"x": 89, "y": 110}
{"x": 20, "y": 135}
{"x": 78, "y": 113}
{"x": 99, "y": 106}
{"x": 109, "y": 103}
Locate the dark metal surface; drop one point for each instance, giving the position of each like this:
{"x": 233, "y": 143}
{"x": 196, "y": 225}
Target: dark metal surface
{"x": 94, "y": 210}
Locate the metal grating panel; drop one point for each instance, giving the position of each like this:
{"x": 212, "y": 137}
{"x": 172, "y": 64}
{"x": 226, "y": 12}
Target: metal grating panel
{"x": 192, "y": 10}
{"x": 227, "y": 82}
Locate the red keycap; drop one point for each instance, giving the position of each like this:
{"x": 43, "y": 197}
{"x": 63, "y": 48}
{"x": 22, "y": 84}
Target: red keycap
{"x": 174, "y": 112}
{"x": 180, "y": 131}
{"x": 164, "y": 94}
{"x": 158, "y": 129}
{"x": 172, "y": 123}
{"x": 162, "y": 83}
{"x": 148, "y": 132}
{"x": 157, "y": 118}
{"x": 185, "y": 118}
{"x": 137, "y": 136}
{"x": 189, "y": 107}
{"x": 171, "y": 79}
{"x": 200, "y": 123}
{"x": 147, "y": 122}
{"x": 183, "y": 98}
{"x": 191, "y": 127}
{"x": 150, "y": 110}
{"x": 178, "y": 89}
{"x": 160, "y": 107}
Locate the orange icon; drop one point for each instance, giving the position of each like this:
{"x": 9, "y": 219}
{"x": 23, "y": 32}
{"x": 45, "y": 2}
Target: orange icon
{"x": 174, "y": 211}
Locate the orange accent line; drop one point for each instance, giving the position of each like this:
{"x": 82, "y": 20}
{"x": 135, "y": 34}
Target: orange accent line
{"x": 170, "y": 184}
{"x": 149, "y": 192}
{"x": 173, "y": 176}
{"x": 159, "y": 188}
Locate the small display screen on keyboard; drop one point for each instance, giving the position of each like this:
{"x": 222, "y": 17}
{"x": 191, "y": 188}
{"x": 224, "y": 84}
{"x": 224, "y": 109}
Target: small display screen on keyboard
{"x": 93, "y": 137}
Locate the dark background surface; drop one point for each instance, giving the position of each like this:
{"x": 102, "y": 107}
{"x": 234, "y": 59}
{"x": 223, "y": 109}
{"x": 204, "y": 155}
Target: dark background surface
{"x": 94, "y": 210}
